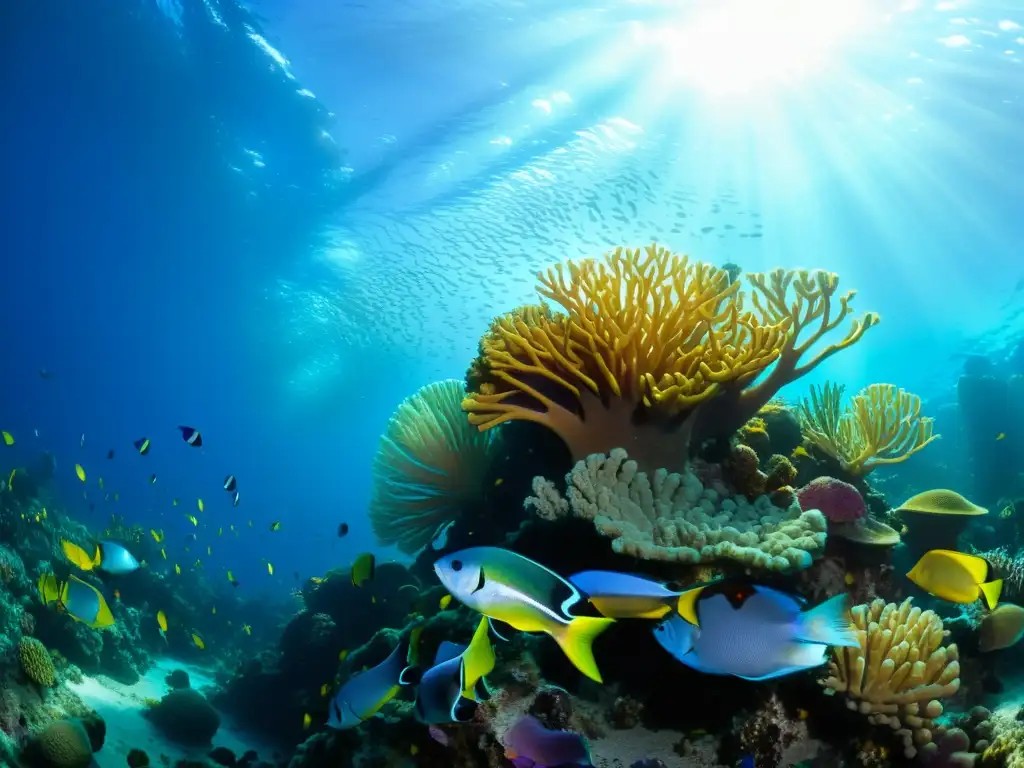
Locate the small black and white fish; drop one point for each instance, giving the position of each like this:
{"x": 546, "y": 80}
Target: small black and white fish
{"x": 191, "y": 436}
{"x": 230, "y": 483}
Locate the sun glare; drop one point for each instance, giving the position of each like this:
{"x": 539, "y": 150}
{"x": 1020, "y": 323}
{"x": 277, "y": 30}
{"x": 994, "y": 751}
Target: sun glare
{"x": 739, "y": 45}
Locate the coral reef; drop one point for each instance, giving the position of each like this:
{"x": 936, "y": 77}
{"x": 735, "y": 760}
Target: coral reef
{"x": 652, "y": 347}
{"x": 899, "y": 672}
{"x": 63, "y": 744}
{"x": 185, "y": 716}
{"x": 881, "y": 425}
{"x": 430, "y": 466}
{"x": 36, "y": 663}
{"x": 674, "y": 517}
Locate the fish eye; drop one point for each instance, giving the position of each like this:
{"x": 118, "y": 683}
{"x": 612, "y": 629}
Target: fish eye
{"x": 456, "y": 565}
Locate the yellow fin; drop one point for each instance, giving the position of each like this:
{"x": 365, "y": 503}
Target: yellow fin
{"x": 576, "y": 639}
{"x": 990, "y": 592}
{"x": 978, "y": 567}
{"x": 687, "y": 605}
{"x": 76, "y": 555}
{"x": 477, "y": 660}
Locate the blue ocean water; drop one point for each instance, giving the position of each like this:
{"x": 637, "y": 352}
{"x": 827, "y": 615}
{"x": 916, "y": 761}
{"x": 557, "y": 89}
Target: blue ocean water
{"x": 273, "y": 222}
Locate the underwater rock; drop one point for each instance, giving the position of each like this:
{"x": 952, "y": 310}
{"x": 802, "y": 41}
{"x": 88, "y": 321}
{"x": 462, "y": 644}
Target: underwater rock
{"x": 96, "y": 728}
{"x": 185, "y": 716}
{"x": 552, "y": 706}
{"x": 178, "y": 679}
{"x": 137, "y": 759}
{"x": 63, "y": 744}
{"x": 223, "y": 756}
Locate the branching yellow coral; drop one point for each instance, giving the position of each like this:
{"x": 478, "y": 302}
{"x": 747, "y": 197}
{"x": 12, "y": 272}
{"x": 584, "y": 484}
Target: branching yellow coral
{"x": 644, "y": 340}
{"x": 899, "y": 671}
{"x": 429, "y": 467}
{"x": 36, "y": 663}
{"x": 881, "y": 425}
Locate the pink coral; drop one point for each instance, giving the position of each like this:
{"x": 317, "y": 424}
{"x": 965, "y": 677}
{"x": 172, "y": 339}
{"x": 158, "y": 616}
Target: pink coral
{"x": 839, "y": 502}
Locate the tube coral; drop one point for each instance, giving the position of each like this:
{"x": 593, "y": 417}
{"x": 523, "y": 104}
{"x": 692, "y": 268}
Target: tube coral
{"x": 899, "y": 671}
{"x": 881, "y": 425}
{"x": 647, "y": 339}
{"x": 429, "y": 467}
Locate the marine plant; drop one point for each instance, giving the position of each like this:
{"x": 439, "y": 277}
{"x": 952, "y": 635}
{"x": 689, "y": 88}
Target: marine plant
{"x": 881, "y": 425}
{"x": 675, "y": 517}
{"x": 429, "y": 467}
{"x": 651, "y": 349}
{"x": 900, "y": 670}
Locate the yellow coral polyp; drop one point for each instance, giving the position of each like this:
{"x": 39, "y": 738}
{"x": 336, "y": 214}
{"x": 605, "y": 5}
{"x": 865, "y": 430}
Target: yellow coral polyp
{"x": 36, "y": 662}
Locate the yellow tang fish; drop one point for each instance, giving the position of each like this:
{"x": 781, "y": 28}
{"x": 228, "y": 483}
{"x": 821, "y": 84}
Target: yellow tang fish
{"x": 956, "y": 577}
{"x": 8, "y": 438}
{"x": 158, "y": 536}
{"x": 80, "y": 472}
{"x": 161, "y": 622}
{"x": 101, "y": 482}
{"x": 1001, "y": 436}
{"x": 199, "y": 503}
{"x": 247, "y": 629}
{"x": 275, "y": 526}
{"x": 208, "y": 552}
{"x": 270, "y": 569}
{"x": 323, "y": 689}
{"x": 445, "y": 602}
{"x": 163, "y": 551}
{"x": 198, "y": 640}
{"x": 192, "y": 519}
{"x": 306, "y": 721}
{"x": 177, "y": 569}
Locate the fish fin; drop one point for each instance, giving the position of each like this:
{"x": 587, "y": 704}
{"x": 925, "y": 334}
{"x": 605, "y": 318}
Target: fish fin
{"x": 676, "y": 635}
{"x": 827, "y": 624}
{"x": 410, "y": 675}
{"x": 990, "y": 592}
{"x": 463, "y": 710}
{"x": 785, "y": 607}
{"x": 500, "y": 629}
{"x": 482, "y": 690}
{"x": 477, "y": 660}
{"x": 576, "y": 639}
{"x": 780, "y": 672}
{"x": 97, "y": 559}
{"x": 687, "y": 605}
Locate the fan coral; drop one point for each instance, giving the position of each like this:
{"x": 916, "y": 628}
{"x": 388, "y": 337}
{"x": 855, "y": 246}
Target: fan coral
{"x": 840, "y": 502}
{"x": 676, "y": 518}
{"x": 881, "y": 425}
{"x": 64, "y": 744}
{"x": 429, "y": 467}
{"x": 36, "y": 662}
{"x": 900, "y": 670}
{"x": 648, "y": 339}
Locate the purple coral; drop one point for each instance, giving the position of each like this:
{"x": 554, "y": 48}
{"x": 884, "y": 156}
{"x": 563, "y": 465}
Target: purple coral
{"x": 839, "y": 502}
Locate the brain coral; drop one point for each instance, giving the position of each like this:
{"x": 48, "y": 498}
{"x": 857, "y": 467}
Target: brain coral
{"x": 840, "y": 502}
{"x": 674, "y": 517}
{"x": 64, "y": 744}
{"x": 36, "y": 662}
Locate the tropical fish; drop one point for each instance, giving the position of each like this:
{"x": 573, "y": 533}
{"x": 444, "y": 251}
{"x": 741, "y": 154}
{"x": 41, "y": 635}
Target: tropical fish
{"x": 449, "y": 691}
{"x": 270, "y": 569}
{"x": 191, "y": 436}
{"x": 100, "y": 482}
{"x": 528, "y": 744}
{"x": 8, "y": 438}
{"x": 177, "y": 569}
{"x": 622, "y": 596}
{"x": 753, "y": 632}
{"x": 110, "y": 454}
{"x": 342, "y": 654}
{"x": 109, "y": 556}
{"x": 525, "y": 595}
{"x": 1001, "y": 436}
{"x": 247, "y": 629}
{"x": 275, "y": 526}
{"x": 230, "y": 483}
{"x": 342, "y": 530}
{"x": 235, "y": 499}
{"x": 163, "y": 551}
{"x": 200, "y": 505}
{"x": 323, "y": 690}
{"x": 161, "y": 622}
{"x": 363, "y": 569}
{"x": 192, "y": 519}
{"x": 440, "y": 540}
{"x": 80, "y": 472}
{"x": 445, "y": 602}
{"x": 198, "y": 641}
{"x": 956, "y": 577}
{"x": 152, "y": 479}
{"x": 365, "y": 693}
{"x": 307, "y": 720}
{"x": 232, "y": 579}
{"x": 81, "y": 441}
{"x": 158, "y": 536}
{"x": 142, "y": 445}
{"x": 78, "y": 599}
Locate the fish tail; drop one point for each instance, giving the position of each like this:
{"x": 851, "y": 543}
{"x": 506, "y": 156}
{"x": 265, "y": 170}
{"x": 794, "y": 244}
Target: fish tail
{"x": 827, "y": 624}
{"x": 990, "y": 592}
{"x": 576, "y": 641}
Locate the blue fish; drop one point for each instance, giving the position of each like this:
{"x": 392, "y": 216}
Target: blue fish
{"x": 623, "y": 596}
{"x": 449, "y": 691}
{"x": 753, "y": 632}
{"x": 528, "y": 744}
{"x": 364, "y": 694}
{"x": 115, "y": 559}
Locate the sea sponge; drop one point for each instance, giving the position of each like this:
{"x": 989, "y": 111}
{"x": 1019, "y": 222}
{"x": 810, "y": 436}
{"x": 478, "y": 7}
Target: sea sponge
{"x": 647, "y": 340}
{"x": 899, "y": 670}
{"x": 185, "y": 716}
{"x": 36, "y": 662}
{"x": 674, "y": 517}
{"x": 840, "y": 502}
{"x": 429, "y": 467}
{"x": 881, "y": 425}
{"x": 63, "y": 744}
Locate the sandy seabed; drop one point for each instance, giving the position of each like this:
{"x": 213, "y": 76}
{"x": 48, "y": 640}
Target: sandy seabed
{"x": 122, "y": 707}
